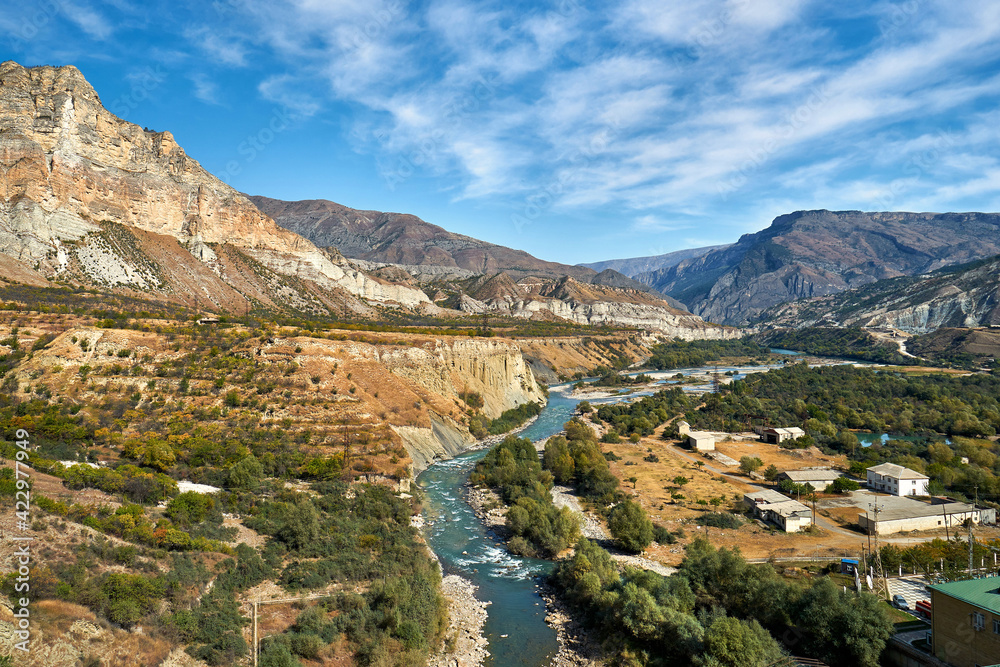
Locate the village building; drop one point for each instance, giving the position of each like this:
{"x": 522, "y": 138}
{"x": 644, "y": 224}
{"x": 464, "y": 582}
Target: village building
{"x": 789, "y": 515}
{"x": 924, "y": 516}
{"x": 897, "y": 480}
{"x": 817, "y": 478}
{"x": 700, "y": 441}
{"x": 776, "y": 436}
{"x": 965, "y": 625}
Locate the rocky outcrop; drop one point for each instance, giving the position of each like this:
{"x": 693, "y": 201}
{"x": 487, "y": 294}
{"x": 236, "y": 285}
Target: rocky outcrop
{"x": 69, "y": 168}
{"x": 815, "y": 253}
{"x": 963, "y": 296}
{"x": 494, "y": 369}
{"x": 588, "y": 304}
{"x": 445, "y": 439}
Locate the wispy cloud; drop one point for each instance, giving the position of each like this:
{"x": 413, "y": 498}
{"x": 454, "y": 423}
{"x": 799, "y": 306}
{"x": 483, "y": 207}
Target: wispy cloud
{"x": 87, "y": 19}
{"x": 219, "y": 48}
{"x": 205, "y": 89}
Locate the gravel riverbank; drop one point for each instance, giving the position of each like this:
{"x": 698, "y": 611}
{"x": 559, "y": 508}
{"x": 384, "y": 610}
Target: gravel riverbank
{"x": 464, "y": 644}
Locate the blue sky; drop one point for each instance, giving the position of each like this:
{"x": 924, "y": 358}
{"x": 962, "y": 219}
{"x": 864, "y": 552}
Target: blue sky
{"x": 576, "y": 130}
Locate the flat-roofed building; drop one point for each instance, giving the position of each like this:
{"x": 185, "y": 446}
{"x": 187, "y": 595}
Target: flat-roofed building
{"x": 897, "y": 480}
{"x": 818, "y": 478}
{"x": 965, "y": 623}
{"x": 776, "y": 436}
{"x": 924, "y": 516}
{"x": 701, "y": 441}
{"x": 790, "y": 515}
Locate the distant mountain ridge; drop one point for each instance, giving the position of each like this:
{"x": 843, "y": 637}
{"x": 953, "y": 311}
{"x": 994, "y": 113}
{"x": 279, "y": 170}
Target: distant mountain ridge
{"x": 636, "y": 266}
{"x": 401, "y": 238}
{"x": 817, "y": 253}
{"x": 962, "y": 296}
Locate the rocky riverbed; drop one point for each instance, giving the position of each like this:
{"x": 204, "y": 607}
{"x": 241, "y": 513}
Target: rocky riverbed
{"x": 464, "y": 644}
{"x": 575, "y": 648}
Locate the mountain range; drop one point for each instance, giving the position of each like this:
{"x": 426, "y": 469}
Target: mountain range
{"x": 88, "y": 199}
{"x": 400, "y": 238}
{"x": 818, "y": 253}
{"x": 636, "y": 266}
{"x": 967, "y": 295}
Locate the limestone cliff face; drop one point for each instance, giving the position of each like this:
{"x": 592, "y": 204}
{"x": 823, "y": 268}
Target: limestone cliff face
{"x": 67, "y": 165}
{"x": 616, "y": 313}
{"x": 496, "y": 370}
{"x": 590, "y": 304}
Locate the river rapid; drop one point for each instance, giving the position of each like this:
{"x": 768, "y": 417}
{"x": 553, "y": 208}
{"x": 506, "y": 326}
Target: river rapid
{"x": 515, "y": 627}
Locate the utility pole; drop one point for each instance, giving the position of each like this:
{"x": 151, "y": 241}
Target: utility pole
{"x": 881, "y": 586}
{"x": 968, "y": 522}
{"x": 255, "y": 633}
{"x": 944, "y": 513}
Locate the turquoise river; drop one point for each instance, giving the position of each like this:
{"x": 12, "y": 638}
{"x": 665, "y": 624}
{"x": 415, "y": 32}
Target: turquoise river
{"x": 515, "y": 628}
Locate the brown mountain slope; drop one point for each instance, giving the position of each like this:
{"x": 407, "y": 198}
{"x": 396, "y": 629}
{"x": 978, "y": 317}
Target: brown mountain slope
{"x": 401, "y": 238}
{"x": 817, "y": 253}
{"x": 86, "y": 197}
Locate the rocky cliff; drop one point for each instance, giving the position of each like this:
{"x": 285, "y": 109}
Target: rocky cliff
{"x": 588, "y": 304}
{"x": 964, "y": 296}
{"x": 816, "y": 253}
{"x": 86, "y": 196}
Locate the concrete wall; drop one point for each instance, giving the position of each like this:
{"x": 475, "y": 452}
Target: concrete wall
{"x": 931, "y": 522}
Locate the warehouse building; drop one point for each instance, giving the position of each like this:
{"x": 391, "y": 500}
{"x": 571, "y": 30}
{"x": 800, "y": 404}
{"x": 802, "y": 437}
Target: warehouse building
{"x": 925, "y": 517}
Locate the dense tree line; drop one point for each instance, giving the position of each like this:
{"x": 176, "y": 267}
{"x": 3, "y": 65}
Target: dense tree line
{"x": 688, "y": 354}
{"x": 832, "y": 402}
{"x": 643, "y": 416}
{"x": 719, "y": 611}
{"x": 844, "y": 342}
{"x": 537, "y": 527}
{"x": 576, "y": 459}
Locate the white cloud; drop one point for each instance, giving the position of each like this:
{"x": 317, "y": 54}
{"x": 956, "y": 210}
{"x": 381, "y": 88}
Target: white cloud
{"x": 221, "y": 49}
{"x": 646, "y": 105}
{"x": 87, "y": 19}
{"x": 205, "y": 89}
{"x": 284, "y": 90}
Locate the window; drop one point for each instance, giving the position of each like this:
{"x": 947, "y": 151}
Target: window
{"x": 996, "y": 626}
{"x": 978, "y": 620}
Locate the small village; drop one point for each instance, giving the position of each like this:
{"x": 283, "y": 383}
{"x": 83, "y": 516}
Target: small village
{"x": 798, "y": 521}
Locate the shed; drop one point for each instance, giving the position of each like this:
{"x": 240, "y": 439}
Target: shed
{"x": 701, "y": 441}
{"x": 790, "y": 515}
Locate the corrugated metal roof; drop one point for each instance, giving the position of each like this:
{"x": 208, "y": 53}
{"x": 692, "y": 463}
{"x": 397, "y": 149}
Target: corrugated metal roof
{"x": 983, "y": 593}
{"x": 811, "y": 475}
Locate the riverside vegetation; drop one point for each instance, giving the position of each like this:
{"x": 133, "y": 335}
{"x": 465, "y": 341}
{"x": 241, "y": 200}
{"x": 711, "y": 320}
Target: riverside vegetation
{"x": 716, "y": 611}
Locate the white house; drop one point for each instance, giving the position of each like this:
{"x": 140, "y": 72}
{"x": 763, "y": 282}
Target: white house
{"x": 776, "y": 436}
{"x": 897, "y": 480}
